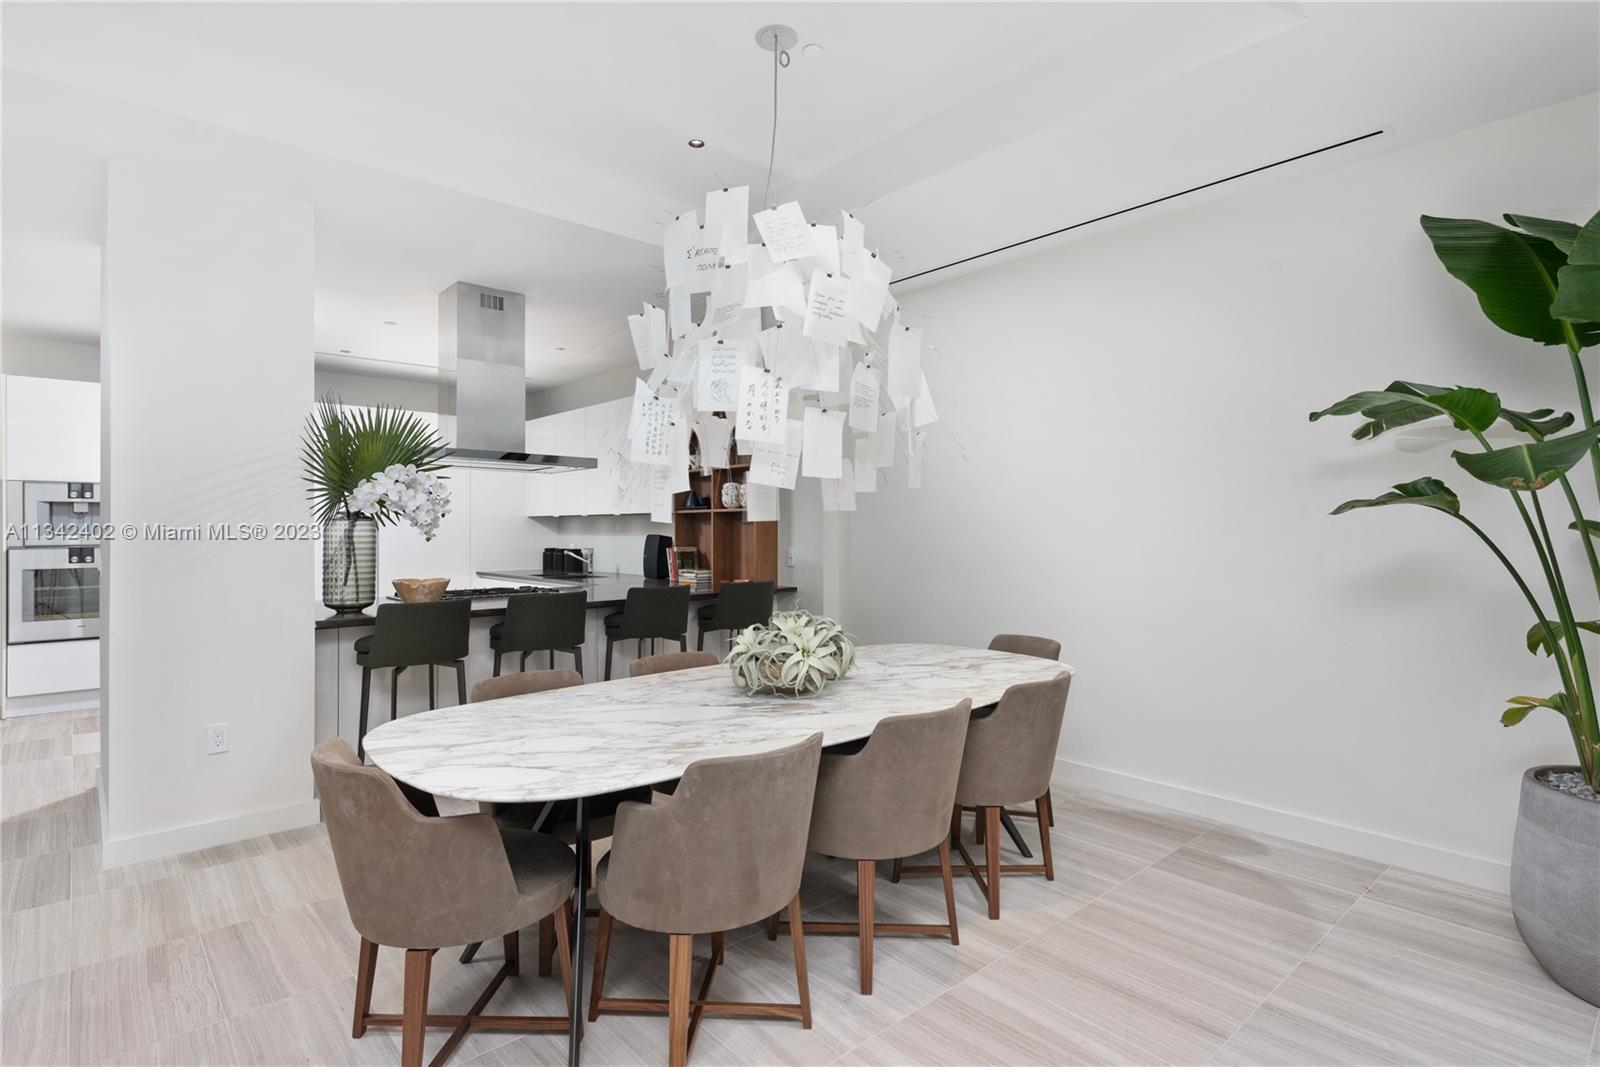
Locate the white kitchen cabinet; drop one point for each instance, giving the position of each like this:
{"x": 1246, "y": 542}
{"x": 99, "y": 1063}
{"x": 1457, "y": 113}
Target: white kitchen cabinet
{"x": 541, "y": 487}
{"x": 600, "y": 432}
{"x": 52, "y": 430}
{"x": 572, "y": 487}
{"x": 52, "y": 667}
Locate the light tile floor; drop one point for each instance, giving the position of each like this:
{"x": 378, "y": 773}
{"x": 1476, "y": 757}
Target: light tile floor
{"x": 1164, "y": 939}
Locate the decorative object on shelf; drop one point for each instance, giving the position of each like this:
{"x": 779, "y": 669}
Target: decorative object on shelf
{"x": 419, "y": 590}
{"x": 804, "y": 314}
{"x": 795, "y": 654}
{"x": 367, "y": 467}
{"x": 1538, "y": 279}
{"x": 730, "y": 495}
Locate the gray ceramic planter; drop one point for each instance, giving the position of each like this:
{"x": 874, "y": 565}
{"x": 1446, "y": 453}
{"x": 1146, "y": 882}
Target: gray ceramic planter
{"x": 1555, "y": 883}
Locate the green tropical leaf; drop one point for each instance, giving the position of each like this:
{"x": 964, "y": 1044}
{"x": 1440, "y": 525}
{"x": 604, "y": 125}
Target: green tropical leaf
{"x": 1536, "y": 639}
{"x": 1406, "y": 403}
{"x": 1588, "y": 526}
{"x": 1527, "y": 467}
{"x": 1512, "y": 273}
{"x": 1561, "y": 234}
{"x": 1428, "y": 492}
{"x": 1521, "y": 706}
{"x": 1578, "y": 296}
{"x": 342, "y": 447}
{"x": 1540, "y": 423}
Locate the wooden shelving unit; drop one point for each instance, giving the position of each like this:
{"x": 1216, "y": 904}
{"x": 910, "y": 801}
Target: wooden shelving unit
{"x": 734, "y": 550}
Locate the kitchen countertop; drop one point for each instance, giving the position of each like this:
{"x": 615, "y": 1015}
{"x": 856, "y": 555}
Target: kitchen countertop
{"x": 605, "y": 591}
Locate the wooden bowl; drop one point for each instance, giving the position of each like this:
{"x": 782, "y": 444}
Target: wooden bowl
{"x": 420, "y": 590}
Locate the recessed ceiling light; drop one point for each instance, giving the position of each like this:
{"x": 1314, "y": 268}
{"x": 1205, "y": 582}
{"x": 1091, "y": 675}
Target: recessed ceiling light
{"x": 390, "y": 322}
{"x": 695, "y": 142}
{"x": 561, "y": 348}
{"x": 344, "y": 351}
{"x": 813, "y": 50}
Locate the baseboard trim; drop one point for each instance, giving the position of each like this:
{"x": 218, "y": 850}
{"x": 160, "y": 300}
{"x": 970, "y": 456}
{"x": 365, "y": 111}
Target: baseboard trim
{"x": 1479, "y": 871}
{"x": 121, "y": 851}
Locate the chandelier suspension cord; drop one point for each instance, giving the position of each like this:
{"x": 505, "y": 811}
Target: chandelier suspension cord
{"x": 779, "y": 58}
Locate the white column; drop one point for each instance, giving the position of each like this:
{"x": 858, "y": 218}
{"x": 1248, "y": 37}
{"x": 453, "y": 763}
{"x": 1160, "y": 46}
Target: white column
{"x": 206, "y": 379}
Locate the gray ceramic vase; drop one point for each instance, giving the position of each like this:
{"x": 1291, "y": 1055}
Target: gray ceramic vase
{"x": 1555, "y": 883}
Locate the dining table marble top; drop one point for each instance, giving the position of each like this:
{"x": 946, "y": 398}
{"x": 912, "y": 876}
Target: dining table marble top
{"x": 591, "y": 739}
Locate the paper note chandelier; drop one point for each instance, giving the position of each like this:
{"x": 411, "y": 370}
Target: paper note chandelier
{"x": 784, "y": 346}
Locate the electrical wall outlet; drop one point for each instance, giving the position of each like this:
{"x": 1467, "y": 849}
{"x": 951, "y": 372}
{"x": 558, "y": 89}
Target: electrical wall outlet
{"x": 789, "y": 558}
{"x": 216, "y": 738}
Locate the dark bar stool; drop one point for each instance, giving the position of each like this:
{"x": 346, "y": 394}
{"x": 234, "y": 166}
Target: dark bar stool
{"x": 650, "y": 611}
{"x": 413, "y": 635}
{"x": 739, "y": 604}
{"x": 540, "y": 622}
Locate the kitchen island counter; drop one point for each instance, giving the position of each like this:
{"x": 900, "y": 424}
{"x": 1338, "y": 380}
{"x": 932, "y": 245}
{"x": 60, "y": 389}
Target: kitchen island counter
{"x": 605, "y": 591}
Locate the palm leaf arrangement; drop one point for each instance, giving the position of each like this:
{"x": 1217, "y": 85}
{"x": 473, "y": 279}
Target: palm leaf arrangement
{"x": 795, "y": 654}
{"x": 377, "y": 462}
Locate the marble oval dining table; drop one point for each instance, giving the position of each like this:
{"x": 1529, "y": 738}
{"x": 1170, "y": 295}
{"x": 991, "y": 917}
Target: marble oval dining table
{"x": 584, "y": 741}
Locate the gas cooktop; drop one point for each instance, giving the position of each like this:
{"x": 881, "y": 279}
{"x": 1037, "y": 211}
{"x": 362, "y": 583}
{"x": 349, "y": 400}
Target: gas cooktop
{"x": 493, "y": 592}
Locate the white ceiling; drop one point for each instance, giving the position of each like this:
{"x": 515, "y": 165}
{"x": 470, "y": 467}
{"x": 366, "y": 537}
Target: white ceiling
{"x": 540, "y": 147}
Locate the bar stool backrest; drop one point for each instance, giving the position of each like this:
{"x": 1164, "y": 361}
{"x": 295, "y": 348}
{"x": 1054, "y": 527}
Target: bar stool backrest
{"x": 656, "y": 611}
{"x": 741, "y": 604}
{"x": 537, "y": 621}
{"x": 410, "y": 635}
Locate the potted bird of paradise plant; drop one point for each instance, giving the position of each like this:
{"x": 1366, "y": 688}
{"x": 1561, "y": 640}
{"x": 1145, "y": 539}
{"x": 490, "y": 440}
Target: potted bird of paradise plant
{"x": 1538, "y": 279}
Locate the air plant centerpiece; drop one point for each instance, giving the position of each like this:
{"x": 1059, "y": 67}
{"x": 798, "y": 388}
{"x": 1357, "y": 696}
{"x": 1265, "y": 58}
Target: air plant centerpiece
{"x": 368, "y": 467}
{"x": 794, "y": 654}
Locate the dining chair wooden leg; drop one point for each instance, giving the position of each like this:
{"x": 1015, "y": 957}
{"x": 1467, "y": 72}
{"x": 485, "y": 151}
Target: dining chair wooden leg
{"x": 366, "y": 968}
{"x": 980, "y": 826}
{"x": 680, "y": 952}
{"x": 361, "y": 728}
{"x": 496, "y": 664}
{"x": 414, "y": 1009}
{"x": 1042, "y": 806}
{"x": 866, "y": 876}
{"x": 547, "y": 944}
{"x": 564, "y": 951}
{"x": 700, "y": 641}
{"x": 513, "y": 952}
{"x": 433, "y": 691}
{"x": 991, "y": 845}
{"x": 797, "y": 934}
{"x": 949, "y": 890}
{"x": 1049, "y": 807}
{"x": 522, "y": 664}
{"x": 394, "y": 692}
{"x": 955, "y": 825}
{"x": 602, "y": 953}
{"x": 718, "y": 944}
{"x": 577, "y": 659}
{"x": 552, "y": 659}
{"x": 772, "y": 927}
{"x": 609, "y": 645}
{"x": 894, "y": 872}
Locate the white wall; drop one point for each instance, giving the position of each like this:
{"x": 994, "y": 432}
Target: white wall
{"x": 1140, "y": 481}
{"x": 206, "y": 373}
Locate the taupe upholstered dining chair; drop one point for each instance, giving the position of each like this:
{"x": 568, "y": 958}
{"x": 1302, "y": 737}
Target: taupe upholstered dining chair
{"x": 1042, "y": 648}
{"x": 890, "y": 800}
{"x": 671, "y": 661}
{"x": 1009, "y": 758}
{"x": 419, "y": 883}
{"x": 726, "y": 850}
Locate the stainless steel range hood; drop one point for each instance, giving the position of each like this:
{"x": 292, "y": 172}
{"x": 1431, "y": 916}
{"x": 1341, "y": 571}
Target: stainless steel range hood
{"x": 483, "y": 390}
